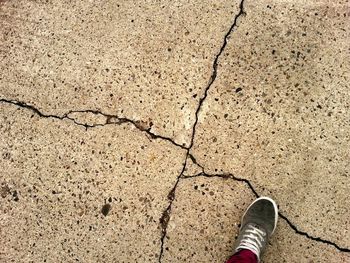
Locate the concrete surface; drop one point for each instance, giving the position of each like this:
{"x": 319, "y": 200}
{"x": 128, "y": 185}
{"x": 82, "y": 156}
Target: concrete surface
{"x": 140, "y": 131}
{"x": 70, "y": 193}
{"x": 207, "y": 214}
{"x": 278, "y": 112}
{"x": 148, "y": 61}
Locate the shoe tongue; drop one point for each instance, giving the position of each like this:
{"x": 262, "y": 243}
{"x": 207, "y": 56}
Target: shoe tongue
{"x": 258, "y": 227}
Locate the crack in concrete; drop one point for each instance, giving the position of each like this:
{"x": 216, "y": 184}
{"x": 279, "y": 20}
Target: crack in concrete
{"x": 195, "y": 161}
{"x": 294, "y": 227}
{"x": 215, "y": 70}
{"x": 110, "y": 119}
{"x": 113, "y": 119}
{"x": 317, "y": 239}
{"x": 164, "y": 220}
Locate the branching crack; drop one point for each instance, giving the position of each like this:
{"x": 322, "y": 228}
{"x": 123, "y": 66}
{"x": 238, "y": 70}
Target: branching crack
{"x": 114, "y": 119}
{"x": 110, "y": 119}
{"x": 166, "y": 214}
{"x": 195, "y": 161}
{"x": 250, "y": 186}
{"x": 171, "y": 196}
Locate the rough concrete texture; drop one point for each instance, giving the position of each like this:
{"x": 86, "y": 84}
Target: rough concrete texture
{"x": 192, "y": 167}
{"x": 278, "y": 112}
{"x": 206, "y": 215}
{"x": 140, "y": 131}
{"x": 197, "y": 234}
{"x": 145, "y": 61}
{"x": 71, "y": 194}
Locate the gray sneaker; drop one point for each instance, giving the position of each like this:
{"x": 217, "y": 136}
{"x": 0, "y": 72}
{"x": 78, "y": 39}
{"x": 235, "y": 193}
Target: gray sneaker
{"x": 258, "y": 224}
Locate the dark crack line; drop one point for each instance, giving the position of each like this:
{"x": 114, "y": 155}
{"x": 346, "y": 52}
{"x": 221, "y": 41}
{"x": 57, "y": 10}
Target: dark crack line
{"x": 164, "y": 220}
{"x": 215, "y": 70}
{"x": 317, "y": 239}
{"x": 294, "y": 227}
{"x": 113, "y": 119}
{"x": 171, "y": 196}
{"x": 226, "y": 176}
{"x": 110, "y": 119}
{"x": 231, "y": 176}
{"x": 195, "y": 161}
{"x": 32, "y": 108}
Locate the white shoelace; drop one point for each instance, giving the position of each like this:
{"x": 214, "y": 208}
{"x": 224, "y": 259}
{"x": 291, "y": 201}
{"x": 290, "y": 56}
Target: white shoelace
{"x": 252, "y": 239}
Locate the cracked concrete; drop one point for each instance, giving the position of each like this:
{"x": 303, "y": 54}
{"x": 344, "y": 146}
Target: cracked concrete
{"x": 65, "y": 175}
{"x": 208, "y": 238}
{"x": 277, "y": 114}
{"x": 92, "y": 118}
{"x": 147, "y": 61}
{"x": 130, "y": 135}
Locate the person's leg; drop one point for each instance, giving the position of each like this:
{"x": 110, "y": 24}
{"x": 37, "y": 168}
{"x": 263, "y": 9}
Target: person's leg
{"x": 243, "y": 256}
{"x": 257, "y": 226}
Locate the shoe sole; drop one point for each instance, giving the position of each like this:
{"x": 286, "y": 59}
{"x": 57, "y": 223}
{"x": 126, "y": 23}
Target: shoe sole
{"x": 274, "y": 206}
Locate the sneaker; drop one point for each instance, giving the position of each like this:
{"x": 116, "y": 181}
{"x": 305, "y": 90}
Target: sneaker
{"x": 258, "y": 224}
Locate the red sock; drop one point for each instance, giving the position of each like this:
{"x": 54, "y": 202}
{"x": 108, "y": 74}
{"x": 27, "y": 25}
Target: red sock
{"x": 243, "y": 256}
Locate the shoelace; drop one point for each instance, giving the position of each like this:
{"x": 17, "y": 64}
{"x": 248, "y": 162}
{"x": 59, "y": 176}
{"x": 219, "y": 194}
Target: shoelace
{"x": 252, "y": 239}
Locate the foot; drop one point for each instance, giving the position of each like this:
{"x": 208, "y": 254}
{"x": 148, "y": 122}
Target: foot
{"x": 258, "y": 224}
